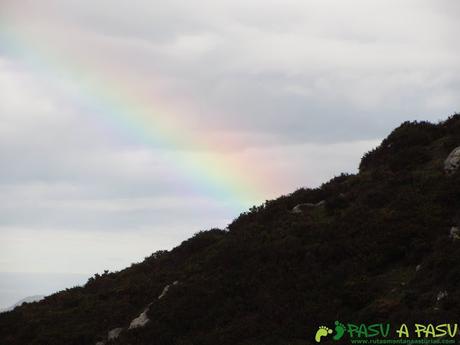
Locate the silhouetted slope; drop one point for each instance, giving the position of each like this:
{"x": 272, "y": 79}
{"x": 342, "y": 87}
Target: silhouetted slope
{"x": 379, "y": 248}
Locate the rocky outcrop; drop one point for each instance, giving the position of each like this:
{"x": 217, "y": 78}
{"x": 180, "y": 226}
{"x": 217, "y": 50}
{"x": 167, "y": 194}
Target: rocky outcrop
{"x": 301, "y": 208}
{"x": 441, "y": 295}
{"x": 166, "y": 289}
{"x": 452, "y": 163}
{"x": 454, "y": 233}
{"x": 114, "y": 333}
{"x": 141, "y": 320}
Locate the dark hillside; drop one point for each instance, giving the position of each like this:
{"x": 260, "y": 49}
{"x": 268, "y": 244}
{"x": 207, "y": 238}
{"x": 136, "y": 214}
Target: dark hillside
{"x": 377, "y": 246}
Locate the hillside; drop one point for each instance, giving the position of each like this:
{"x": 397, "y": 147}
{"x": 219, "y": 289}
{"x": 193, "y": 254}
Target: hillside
{"x": 381, "y": 245}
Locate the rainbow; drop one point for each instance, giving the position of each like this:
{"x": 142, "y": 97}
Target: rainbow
{"x": 120, "y": 105}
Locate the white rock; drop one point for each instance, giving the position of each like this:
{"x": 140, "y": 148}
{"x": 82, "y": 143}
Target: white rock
{"x": 114, "y": 333}
{"x": 418, "y": 268}
{"x": 441, "y": 295}
{"x": 164, "y": 292}
{"x": 452, "y": 162}
{"x": 166, "y": 289}
{"x": 140, "y": 321}
{"x": 454, "y": 233}
{"x": 300, "y": 208}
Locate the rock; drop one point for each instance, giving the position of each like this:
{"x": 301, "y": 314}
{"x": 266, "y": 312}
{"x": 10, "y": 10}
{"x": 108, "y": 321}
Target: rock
{"x": 166, "y": 288}
{"x": 164, "y": 292}
{"x": 300, "y": 208}
{"x": 114, "y": 333}
{"x": 454, "y": 233}
{"x": 452, "y": 162}
{"x": 100, "y": 343}
{"x": 140, "y": 321}
{"x": 418, "y": 268}
{"x": 441, "y": 295}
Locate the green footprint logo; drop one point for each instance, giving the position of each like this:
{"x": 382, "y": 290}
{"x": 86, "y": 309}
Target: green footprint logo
{"x": 339, "y": 330}
{"x": 322, "y": 331}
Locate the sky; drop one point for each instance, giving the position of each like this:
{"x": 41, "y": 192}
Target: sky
{"x": 126, "y": 127}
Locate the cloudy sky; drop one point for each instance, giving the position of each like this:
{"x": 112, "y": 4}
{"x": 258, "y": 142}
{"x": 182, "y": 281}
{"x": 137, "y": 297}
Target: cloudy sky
{"x": 125, "y": 127}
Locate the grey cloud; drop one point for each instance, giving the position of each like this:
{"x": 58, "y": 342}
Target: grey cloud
{"x": 358, "y": 63}
{"x": 302, "y": 88}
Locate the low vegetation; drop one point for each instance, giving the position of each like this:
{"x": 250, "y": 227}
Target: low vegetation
{"x": 378, "y": 249}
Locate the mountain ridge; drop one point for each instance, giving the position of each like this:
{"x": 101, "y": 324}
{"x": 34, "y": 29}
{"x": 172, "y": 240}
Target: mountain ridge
{"x": 28, "y": 299}
{"x": 372, "y": 246}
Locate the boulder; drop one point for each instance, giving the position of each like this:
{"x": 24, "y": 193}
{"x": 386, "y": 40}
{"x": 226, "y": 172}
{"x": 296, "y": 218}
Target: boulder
{"x": 452, "y": 163}
{"x": 441, "y": 295}
{"x": 114, "y": 333}
{"x": 454, "y": 233}
{"x": 300, "y": 208}
{"x": 140, "y": 321}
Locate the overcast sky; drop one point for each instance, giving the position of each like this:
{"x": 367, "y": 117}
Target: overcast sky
{"x": 127, "y": 126}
